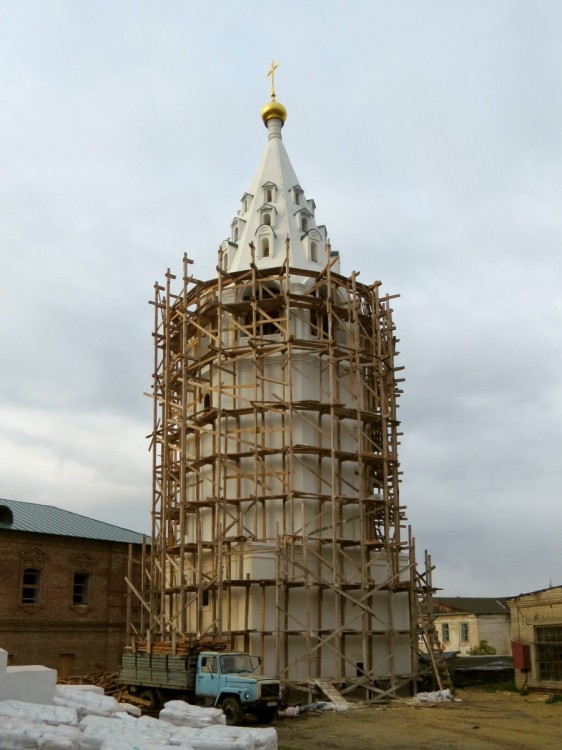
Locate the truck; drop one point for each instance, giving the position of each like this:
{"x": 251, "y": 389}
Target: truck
{"x": 225, "y": 679}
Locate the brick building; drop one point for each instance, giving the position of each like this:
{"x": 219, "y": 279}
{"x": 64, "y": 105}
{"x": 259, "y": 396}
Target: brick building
{"x": 62, "y": 588}
{"x": 536, "y": 632}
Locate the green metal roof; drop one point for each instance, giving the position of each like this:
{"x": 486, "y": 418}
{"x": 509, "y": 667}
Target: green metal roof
{"x": 46, "y": 519}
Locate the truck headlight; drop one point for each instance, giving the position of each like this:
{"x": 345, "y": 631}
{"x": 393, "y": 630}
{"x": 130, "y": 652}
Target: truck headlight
{"x": 247, "y": 695}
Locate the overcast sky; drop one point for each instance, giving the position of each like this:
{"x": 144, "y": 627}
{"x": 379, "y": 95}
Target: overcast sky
{"x": 430, "y": 136}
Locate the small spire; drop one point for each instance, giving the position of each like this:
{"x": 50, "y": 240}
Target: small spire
{"x": 273, "y": 109}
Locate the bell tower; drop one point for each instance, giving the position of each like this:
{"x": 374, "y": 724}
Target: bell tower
{"x": 277, "y": 523}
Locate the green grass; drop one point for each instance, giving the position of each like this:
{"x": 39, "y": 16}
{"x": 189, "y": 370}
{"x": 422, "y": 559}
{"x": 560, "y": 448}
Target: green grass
{"x": 554, "y": 698}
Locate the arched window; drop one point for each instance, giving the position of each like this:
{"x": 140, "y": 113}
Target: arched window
{"x": 314, "y": 251}
{"x": 267, "y": 219}
{"x": 268, "y": 195}
{"x": 265, "y": 247}
{"x": 207, "y": 401}
{"x": 235, "y": 235}
{"x": 225, "y": 261}
{"x": 304, "y": 223}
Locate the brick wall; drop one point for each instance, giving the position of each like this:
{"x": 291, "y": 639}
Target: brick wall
{"x": 529, "y": 612}
{"x": 493, "y": 628}
{"x": 496, "y": 629}
{"x": 56, "y": 632}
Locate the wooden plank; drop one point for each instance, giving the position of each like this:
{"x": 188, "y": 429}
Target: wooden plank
{"x": 331, "y": 692}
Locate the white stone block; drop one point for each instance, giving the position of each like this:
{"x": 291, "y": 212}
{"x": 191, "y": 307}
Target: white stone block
{"x": 31, "y": 683}
{"x": 3, "y": 667}
{"x": 3, "y": 661}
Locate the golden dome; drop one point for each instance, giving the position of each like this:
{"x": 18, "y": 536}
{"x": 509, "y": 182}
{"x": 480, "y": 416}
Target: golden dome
{"x": 273, "y": 109}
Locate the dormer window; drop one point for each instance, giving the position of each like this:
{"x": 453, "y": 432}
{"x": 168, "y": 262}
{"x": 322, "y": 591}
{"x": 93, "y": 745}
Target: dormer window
{"x": 297, "y": 195}
{"x": 265, "y": 247}
{"x": 246, "y": 200}
{"x": 6, "y": 515}
{"x": 267, "y": 215}
{"x": 225, "y": 261}
{"x": 312, "y": 240}
{"x": 236, "y": 231}
{"x": 269, "y": 191}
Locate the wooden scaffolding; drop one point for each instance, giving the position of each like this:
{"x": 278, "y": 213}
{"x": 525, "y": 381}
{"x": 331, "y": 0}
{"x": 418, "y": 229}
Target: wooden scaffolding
{"x": 276, "y": 521}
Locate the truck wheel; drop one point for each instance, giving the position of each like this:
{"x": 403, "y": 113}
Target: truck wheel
{"x": 152, "y": 697}
{"x": 266, "y": 715}
{"x": 232, "y": 709}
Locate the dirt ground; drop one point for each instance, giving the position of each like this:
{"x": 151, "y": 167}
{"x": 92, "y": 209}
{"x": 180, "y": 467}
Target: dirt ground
{"x": 481, "y": 720}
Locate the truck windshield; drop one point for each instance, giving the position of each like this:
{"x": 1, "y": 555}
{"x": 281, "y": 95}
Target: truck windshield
{"x": 236, "y": 663}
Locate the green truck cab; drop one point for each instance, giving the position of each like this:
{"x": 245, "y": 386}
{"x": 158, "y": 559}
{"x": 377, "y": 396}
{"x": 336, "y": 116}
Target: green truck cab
{"x": 224, "y": 679}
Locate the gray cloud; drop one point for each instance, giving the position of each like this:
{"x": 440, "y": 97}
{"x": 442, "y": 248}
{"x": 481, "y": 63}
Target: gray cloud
{"x": 429, "y": 136}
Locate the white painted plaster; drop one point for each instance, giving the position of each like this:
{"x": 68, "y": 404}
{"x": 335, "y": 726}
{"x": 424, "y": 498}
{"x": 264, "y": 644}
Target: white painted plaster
{"x": 286, "y": 215}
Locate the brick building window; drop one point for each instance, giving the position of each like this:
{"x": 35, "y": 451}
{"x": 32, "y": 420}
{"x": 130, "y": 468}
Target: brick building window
{"x": 445, "y": 632}
{"x": 464, "y": 632}
{"x": 549, "y": 652}
{"x": 31, "y": 586}
{"x": 81, "y": 588}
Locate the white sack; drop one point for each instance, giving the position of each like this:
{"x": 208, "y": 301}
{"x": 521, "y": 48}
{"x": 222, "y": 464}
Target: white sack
{"x": 130, "y": 709}
{"x": 128, "y": 745}
{"x": 48, "y": 737}
{"x": 152, "y": 721}
{"x": 10, "y": 739}
{"x": 146, "y": 724}
{"x": 191, "y": 710}
{"x": 97, "y": 735}
{"x": 181, "y": 713}
{"x": 264, "y": 738}
{"x": 86, "y": 702}
{"x": 202, "y": 739}
{"x": 38, "y": 712}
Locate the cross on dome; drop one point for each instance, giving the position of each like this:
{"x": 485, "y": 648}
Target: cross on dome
{"x": 271, "y": 73}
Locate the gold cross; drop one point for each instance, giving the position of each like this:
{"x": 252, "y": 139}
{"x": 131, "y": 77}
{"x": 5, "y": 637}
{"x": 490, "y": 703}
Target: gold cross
{"x": 271, "y": 72}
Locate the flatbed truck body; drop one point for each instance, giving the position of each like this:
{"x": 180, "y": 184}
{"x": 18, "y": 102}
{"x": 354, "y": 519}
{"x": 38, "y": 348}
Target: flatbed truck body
{"x": 211, "y": 678}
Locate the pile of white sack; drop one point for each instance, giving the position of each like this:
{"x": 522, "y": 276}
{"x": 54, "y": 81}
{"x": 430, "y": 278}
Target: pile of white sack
{"x": 80, "y": 719}
{"x": 437, "y": 696}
